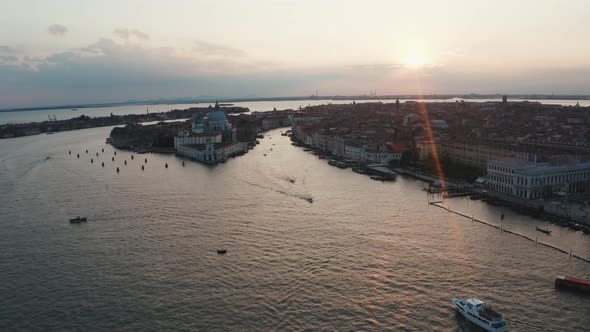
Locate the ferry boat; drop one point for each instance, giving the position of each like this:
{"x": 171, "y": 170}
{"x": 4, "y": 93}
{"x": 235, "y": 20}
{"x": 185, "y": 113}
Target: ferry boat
{"x": 574, "y": 283}
{"x": 480, "y": 314}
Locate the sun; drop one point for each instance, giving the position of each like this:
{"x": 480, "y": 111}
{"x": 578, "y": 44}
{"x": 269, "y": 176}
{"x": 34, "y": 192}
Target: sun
{"x": 415, "y": 60}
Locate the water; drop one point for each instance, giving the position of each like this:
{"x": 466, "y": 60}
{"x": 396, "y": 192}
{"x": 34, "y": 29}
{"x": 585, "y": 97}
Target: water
{"x": 365, "y": 255}
{"x": 63, "y": 114}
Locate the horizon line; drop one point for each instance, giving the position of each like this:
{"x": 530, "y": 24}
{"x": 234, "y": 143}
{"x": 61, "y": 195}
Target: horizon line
{"x": 197, "y": 100}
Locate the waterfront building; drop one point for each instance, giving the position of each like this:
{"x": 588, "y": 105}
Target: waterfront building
{"x": 478, "y": 154}
{"x": 529, "y": 180}
{"x": 212, "y": 138}
{"x": 184, "y": 138}
{"x": 353, "y": 152}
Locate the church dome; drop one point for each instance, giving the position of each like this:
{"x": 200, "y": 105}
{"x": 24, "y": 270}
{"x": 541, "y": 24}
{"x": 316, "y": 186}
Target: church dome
{"x": 216, "y": 116}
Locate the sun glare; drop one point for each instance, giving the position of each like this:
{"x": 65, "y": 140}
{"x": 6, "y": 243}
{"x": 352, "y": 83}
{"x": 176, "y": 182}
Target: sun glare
{"x": 415, "y": 60}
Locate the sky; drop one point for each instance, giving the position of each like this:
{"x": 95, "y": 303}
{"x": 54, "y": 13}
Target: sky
{"x": 82, "y": 51}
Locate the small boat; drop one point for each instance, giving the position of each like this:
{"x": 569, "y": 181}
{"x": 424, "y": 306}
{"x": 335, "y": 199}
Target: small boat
{"x": 546, "y": 231}
{"x": 78, "y": 220}
{"x": 480, "y": 314}
{"x": 359, "y": 170}
{"x": 309, "y": 200}
{"x": 573, "y": 283}
{"x": 292, "y": 180}
{"x": 221, "y": 251}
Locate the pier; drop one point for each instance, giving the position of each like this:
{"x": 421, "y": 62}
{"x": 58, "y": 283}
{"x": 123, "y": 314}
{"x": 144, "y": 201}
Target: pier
{"x": 502, "y": 229}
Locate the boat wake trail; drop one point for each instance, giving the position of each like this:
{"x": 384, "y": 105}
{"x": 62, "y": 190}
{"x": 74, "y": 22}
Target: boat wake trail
{"x": 282, "y": 192}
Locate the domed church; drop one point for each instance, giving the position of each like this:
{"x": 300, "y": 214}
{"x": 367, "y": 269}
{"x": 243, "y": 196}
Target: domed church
{"x": 212, "y": 138}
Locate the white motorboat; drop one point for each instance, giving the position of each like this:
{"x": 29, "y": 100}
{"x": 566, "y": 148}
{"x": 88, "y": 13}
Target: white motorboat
{"x": 480, "y": 314}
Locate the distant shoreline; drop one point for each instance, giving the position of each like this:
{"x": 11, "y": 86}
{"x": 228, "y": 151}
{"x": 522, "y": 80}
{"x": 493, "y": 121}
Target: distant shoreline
{"x": 360, "y": 98}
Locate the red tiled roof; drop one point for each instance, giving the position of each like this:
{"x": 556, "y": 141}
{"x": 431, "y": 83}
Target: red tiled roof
{"x": 398, "y": 147}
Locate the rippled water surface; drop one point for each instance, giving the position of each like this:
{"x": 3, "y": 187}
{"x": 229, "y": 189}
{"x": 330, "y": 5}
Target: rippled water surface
{"x": 365, "y": 255}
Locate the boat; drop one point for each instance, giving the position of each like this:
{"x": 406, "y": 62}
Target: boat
{"x": 481, "y": 314}
{"x": 78, "y": 220}
{"x": 377, "y": 178}
{"x": 221, "y": 251}
{"x": 309, "y": 199}
{"x": 573, "y": 283}
{"x": 359, "y": 170}
{"x": 546, "y": 231}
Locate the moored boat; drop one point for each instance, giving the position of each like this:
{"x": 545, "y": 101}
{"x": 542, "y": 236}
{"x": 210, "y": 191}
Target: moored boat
{"x": 78, "y": 220}
{"x": 574, "y": 283}
{"x": 480, "y": 314}
{"x": 546, "y": 231}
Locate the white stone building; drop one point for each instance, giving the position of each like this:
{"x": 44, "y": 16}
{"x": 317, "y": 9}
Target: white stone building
{"x": 530, "y": 180}
{"x": 212, "y": 138}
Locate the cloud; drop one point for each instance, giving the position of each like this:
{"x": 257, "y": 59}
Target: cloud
{"x": 8, "y": 58}
{"x": 213, "y": 49}
{"x": 4, "y": 49}
{"x": 57, "y": 30}
{"x": 115, "y": 69}
{"x": 129, "y": 34}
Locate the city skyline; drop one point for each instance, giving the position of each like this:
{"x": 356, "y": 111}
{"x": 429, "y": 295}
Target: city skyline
{"x": 68, "y": 53}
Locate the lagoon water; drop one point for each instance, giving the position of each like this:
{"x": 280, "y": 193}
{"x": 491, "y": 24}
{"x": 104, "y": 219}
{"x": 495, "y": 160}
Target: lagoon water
{"x": 365, "y": 255}
{"x": 63, "y": 114}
